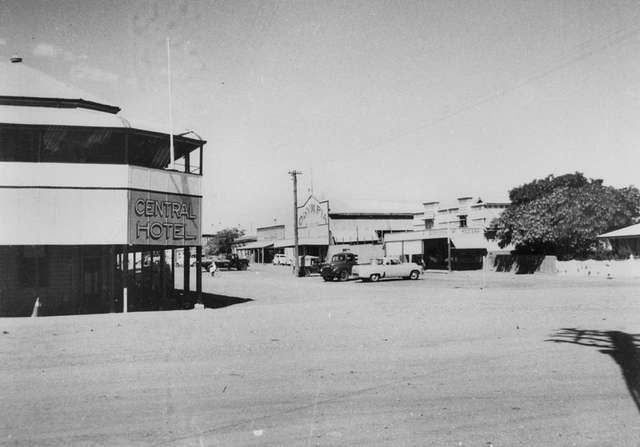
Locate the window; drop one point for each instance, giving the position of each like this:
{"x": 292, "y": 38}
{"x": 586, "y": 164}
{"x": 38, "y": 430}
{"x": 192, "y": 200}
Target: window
{"x": 463, "y": 221}
{"x": 428, "y": 224}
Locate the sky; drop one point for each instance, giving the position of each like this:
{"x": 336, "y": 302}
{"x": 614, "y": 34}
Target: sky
{"x": 389, "y": 100}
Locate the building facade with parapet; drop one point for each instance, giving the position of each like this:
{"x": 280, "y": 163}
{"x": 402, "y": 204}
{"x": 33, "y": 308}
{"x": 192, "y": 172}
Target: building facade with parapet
{"x": 329, "y": 226}
{"x": 448, "y": 229}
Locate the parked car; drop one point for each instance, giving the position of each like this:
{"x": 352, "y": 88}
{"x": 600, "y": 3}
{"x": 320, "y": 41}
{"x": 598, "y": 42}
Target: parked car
{"x": 232, "y": 261}
{"x": 340, "y": 267}
{"x": 281, "y": 259}
{"x": 387, "y": 268}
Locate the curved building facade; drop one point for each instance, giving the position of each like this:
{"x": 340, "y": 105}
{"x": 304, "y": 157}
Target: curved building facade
{"x": 92, "y": 213}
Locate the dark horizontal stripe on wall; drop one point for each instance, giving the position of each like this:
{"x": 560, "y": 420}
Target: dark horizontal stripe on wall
{"x": 370, "y": 216}
{"x": 98, "y": 188}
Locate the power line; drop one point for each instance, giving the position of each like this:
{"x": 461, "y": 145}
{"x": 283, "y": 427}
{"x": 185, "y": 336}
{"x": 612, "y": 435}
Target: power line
{"x": 502, "y": 92}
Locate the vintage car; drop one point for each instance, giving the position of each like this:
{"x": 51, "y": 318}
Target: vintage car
{"x": 231, "y": 261}
{"x": 387, "y": 268}
{"x": 281, "y": 259}
{"x": 339, "y": 267}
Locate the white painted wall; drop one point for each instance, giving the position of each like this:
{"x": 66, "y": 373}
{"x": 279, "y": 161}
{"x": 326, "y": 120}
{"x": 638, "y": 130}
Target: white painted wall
{"x": 63, "y": 216}
{"x": 400, "y": 248}
{"x": 42, "y": 203}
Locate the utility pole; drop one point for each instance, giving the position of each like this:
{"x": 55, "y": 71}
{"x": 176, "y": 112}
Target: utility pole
{"x": 294, "y": 176}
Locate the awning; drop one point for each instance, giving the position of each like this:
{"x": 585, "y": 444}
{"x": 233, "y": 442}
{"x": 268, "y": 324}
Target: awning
{"x": 459, "y": 239}
{"x": 630, "y": 231}
{"x": 254, "y": 245}
{"x": 302, "y": 241}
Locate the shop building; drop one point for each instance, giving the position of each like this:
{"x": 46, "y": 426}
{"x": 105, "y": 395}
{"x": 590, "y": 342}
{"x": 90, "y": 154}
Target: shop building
{"x": 625, "y": 242}
{"x": 92, "y": 214}
{"x": 327, "y": 227}
{"x": 442, "y": 229}
{"x": 262, "y": 249}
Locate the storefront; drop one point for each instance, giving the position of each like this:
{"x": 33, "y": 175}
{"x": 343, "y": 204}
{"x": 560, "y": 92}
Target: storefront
{"x": 443, "y": 231}
{"x": 327, "y": 227}
{"x": 92, "y": 215}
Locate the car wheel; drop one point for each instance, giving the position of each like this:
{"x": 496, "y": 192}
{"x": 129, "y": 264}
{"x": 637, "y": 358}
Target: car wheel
{"x": 414, "y": 274}
{"x": 374, "y": 278}
{"x": 344, "y": 275}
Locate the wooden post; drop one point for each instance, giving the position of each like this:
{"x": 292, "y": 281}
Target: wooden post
{"x": 186, "y": 286}
{"x": 172, "y": 280}
{"x": 111, "y": 277}
{"x": 125, "y": 274}
{"x": 83, "y": 292}
{"x": 36, "y": 259}
{"x": 484, "y": 264}
{"x": 199, "y": 273}
{"x": 163, "y": 279}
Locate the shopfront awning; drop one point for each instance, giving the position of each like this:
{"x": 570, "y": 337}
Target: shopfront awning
{"x": 302, "y": 241}
{"x": 256, "y": 245}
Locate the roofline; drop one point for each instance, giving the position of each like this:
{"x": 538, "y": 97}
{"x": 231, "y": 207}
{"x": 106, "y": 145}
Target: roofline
{"x": 490, "y": 204}
{"x": 627, "y": 236}
{"x": 64, "y": 103}
{"x": 270, "y": 227}
{"x": 178, "y": 137}
{"x": 371, "y": 215}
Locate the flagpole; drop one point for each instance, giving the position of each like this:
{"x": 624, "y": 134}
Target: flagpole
{"x": 171, "y": 149}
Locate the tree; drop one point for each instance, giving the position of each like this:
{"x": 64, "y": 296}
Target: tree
{"x": 563, "y": 215}
{"x": 221, "y": 242}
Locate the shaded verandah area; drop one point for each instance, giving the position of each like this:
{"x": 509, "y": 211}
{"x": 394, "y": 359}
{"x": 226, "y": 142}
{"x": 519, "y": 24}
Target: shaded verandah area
{"x": 83, "y": 279}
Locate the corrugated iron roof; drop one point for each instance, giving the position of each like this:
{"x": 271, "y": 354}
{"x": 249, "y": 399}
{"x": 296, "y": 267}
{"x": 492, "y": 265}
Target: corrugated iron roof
{"x": 630, "y": 231}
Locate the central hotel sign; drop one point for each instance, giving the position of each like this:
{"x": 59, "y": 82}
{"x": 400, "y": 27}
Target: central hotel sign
{"x": 157, "y": 218}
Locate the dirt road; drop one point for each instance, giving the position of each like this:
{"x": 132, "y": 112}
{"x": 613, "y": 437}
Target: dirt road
{"x": 438, "y": 361}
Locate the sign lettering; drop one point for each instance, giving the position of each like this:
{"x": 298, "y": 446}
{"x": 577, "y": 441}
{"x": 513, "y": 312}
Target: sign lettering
{"x": 313, "y": 213}
{"x": 163, "y": 219}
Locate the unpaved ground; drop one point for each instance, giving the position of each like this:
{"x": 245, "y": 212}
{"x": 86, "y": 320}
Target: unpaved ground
{"x": 437, "y": 362}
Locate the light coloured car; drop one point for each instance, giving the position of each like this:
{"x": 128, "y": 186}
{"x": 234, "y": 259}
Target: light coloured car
{"x": 281, "y": 259}
{"x": 387, "y": 268}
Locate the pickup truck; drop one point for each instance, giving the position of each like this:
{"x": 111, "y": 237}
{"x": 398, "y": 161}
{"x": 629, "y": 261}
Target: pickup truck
{"x": 387, "y": 268}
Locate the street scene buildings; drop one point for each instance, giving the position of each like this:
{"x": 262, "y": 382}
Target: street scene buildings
{"x": 285, "y": 223}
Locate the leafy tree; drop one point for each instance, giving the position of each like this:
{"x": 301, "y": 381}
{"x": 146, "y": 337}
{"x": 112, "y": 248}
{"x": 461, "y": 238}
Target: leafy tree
{"x": 221, "y": 242}
{"x": 563, "y": 215}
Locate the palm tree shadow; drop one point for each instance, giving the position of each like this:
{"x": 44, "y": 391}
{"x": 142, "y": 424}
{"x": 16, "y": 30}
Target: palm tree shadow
{"x": 622, "y": 347}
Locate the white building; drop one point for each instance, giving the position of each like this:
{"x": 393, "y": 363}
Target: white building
{"x": 91, "y": 212}
{"x": 462, "y": 223}
{"x": 329, "y": 226}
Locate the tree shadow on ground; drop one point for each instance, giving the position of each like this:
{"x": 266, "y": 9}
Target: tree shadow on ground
{"x": 622, "y": 347}
{"x": 215, "y": 301}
